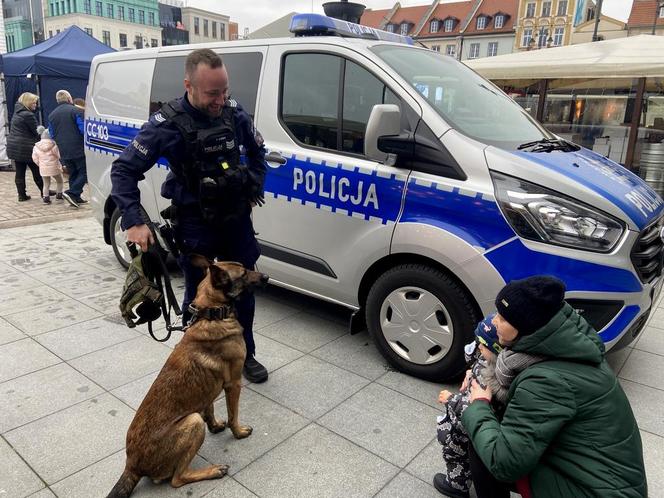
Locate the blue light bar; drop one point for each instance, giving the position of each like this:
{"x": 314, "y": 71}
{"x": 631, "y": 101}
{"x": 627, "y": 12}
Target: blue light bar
{"x": 319, "y": 25}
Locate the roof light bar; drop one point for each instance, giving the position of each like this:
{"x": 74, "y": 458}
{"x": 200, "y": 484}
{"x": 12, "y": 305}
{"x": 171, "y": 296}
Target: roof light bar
{"x": 319, "y": 25}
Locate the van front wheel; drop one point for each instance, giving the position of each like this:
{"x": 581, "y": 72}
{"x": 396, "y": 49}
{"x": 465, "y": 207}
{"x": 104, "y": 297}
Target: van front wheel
{"x": 119, "y": 239}
{"x": 420, "y": 320}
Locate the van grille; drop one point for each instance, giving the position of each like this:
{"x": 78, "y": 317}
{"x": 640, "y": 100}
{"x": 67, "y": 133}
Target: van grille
{"x": 648, "y": 252}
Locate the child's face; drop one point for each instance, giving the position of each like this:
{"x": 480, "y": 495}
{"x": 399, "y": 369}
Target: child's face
{"x": 486, "y": 352}
{"x": 506, "y": 332}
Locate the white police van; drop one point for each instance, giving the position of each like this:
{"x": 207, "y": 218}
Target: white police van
{"x": 401, "y": 185}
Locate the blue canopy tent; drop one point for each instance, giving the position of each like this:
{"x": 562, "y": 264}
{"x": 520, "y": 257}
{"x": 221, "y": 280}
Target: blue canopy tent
{"x": 59, "y": 63}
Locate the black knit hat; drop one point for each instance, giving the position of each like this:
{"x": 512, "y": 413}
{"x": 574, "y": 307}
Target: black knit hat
{"x": 530, "y": 303}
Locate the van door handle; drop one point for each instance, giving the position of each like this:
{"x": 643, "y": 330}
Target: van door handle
{"x": 275, "y": 157}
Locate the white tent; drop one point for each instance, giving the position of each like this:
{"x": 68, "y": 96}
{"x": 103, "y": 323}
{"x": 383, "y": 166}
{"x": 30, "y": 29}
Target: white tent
{"x": 632, "y": 57}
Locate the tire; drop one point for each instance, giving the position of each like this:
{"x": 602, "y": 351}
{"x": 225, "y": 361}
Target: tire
{"x": 119, "y": 240}
{"x": 440, "y": 320}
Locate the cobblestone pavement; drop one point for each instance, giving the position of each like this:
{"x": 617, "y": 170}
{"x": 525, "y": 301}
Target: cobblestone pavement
{"x": 34, "y": 211}
{"x": 332, "y": 420}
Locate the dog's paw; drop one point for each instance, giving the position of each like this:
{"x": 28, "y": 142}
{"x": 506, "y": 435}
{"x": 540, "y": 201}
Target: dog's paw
{"x": 218, "y": 426}
{"x": 221, "y": 471}
{"x": 242, "y": 431}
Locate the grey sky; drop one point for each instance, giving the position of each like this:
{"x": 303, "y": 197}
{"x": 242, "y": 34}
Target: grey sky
{"x": 254, "y": 14}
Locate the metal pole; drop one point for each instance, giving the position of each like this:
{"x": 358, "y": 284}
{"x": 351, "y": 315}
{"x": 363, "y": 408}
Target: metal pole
{"x": 658, "y": 5}
{"x": 634, "y": 126}
{"x": 32, "y": 22}
{"x": 598, "y": 14}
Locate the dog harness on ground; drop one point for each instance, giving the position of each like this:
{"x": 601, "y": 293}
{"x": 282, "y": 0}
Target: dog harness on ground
{"x": 146, "y": 291}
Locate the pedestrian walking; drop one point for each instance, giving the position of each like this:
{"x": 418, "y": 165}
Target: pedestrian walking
{"x": 47, "y": 156}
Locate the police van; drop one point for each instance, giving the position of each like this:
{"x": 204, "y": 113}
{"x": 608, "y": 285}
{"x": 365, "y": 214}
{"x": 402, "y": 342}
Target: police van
{"x": 401, "y": 185}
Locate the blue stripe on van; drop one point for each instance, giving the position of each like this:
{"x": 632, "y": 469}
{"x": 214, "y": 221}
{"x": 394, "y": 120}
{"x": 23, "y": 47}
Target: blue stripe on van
{"x": 514, "y": 261}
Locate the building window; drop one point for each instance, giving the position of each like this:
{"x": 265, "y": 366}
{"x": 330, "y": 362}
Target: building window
{"x": 151, "y": 18}
{"x": 530, "y": 10}
{"x": 222, "y": 31}
{"x": 558, "y": 36}
{"x": 154, "y": 42}
{"x": 50, "y": 33}
{"x": 141, "y": 16}
{"x": 389, "y": 28}
{"x": 138, "y": 41}
{"x": 448, "y": 25}
{"x": 214, "y": 29}
{"x": 590, "y": 14}
{"x": 661, "y": 11}
{"x": 541, "y": 37}
{"x": 404, "y": 29}
{"x": 89, "y": 31}
{"x": 474, "y": 52}
{"x": 481, "y": 22}
{"x": 206, "y": 31}
{"x": 68, "y": 6}
{"x": 99, "y": 9}
{"x": 109, "y": 11}
{"x": 499, "y": 21}
{"x": 450, "y": 50}
{"x": 132, "y": 15}
{"x": 52, "y": 9}
{"x": 527, "y": 37}
{"x": 197, "y": 27}
{"x": 562, "y": 7}
{"x": 121, "y": 14}
{"x": 435, "y": 48}
{"x": 106, "y": 37}
{"x": 57, "y": 31}
{"x": 123, "y": 40}
{"x": 492, "y": 49}
{"x": 546, "y": 9}
{"x": 434, "y": 26}
{"x": 87, "y": 6}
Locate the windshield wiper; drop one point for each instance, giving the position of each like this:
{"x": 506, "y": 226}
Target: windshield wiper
{"x": 550, "y": 144}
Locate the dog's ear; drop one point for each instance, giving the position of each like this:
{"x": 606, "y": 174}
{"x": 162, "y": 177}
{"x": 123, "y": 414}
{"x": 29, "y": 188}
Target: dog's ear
{"x": 200, "y": 261}
{"x": 220, "y": 279}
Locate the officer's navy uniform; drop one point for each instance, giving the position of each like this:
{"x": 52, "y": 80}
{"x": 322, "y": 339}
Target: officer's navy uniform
{"x": 231, "y": 239}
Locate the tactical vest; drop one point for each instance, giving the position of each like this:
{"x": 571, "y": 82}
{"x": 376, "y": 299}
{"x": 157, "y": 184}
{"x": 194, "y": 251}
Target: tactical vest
{"x": 211, "y": 170}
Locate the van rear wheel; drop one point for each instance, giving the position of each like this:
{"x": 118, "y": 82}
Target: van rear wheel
{"x": 119, "y": 239}
{"x": 420, "y": 319}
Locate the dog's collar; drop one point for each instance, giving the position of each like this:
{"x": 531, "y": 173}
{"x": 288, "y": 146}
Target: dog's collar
{"x": 217, "y": 313}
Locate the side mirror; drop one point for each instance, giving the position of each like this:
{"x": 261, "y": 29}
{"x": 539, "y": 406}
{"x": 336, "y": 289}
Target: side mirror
{"x": 385, "y": 119}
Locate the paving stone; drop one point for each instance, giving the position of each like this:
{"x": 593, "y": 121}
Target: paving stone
{"x": 647, "y": 404}
{"x": 356, "y": 353}
{"x": 16, "y": 478}
{"x": 429, "y": 462}
{"x": 62, "y": 272}
{"x": 651, "y": 340}
{"x": 123, "y": 363}
{"x": 404, "y": 485}
{"x": 16, "y": 281}
{"x": 617, "y": 359}
{"x": 310, "y": 387}
{"x": 104, "y": 301}
{"x": 272, "y": 354}
{"x": 653, "y": 457}
{"x": 43, "y": 259}
{"x": 304, "y": 332}
{"x": 85, "y": 337}
{"x": 270, "y": 310}
{"x": 29, "y": 299}
{"x": 272, "y": 424}
{"x": 657, "y": 318}
{"x": 105, "y": 261}
{"x": 98, "y": 479}
{"x": 134, "y": 392}
{"x": 421, "y": 390}
{"x": 317, "y": 462}
{"x": 52, "y": 316}
{"x": 44, "y": 493}
{"x": 41, "y": 393}
{"x": 9, "y": 333}
{"x": 72, "y": 439}
{"x": 373, "y": 418}
{"x": 230, "y": 488}
{"x": 22, "y": 357}
{"x": 644, "y": 368}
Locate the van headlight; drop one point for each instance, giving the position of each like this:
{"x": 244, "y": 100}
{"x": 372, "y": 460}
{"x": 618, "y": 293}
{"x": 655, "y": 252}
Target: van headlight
{"x": 536, "y": 213}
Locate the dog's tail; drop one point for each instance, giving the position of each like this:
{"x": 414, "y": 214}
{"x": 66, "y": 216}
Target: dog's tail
{"x": 125, "y": 485}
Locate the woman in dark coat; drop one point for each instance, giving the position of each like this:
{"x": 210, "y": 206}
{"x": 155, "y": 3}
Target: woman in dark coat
{"x": 20, "y": 141}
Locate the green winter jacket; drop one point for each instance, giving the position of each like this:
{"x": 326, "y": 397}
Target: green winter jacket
{"x": 568, "y": 425}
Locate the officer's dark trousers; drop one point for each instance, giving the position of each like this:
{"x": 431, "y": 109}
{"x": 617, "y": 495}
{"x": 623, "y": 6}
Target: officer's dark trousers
{"x": 231, "y": 242}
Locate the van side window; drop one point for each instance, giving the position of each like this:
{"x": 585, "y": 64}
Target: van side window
{"x": 319, "y": 111}
{"x": 244, "y": 71}
{"x": 121, "y": 88}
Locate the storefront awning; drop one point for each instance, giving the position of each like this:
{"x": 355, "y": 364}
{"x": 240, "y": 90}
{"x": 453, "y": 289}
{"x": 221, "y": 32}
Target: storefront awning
{"x": 632, "y": 57}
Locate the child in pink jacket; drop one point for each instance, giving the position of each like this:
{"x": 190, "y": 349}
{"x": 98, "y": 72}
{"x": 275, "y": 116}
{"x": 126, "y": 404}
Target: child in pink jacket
{"x": 46, "y": 155}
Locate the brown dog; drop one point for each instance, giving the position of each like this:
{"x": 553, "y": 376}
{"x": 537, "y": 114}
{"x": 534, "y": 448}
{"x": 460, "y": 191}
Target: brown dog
{"x": 169, "y": 426}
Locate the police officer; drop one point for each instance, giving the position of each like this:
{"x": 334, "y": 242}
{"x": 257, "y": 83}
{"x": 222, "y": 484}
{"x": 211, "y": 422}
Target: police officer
{"x": 201, "y": 135}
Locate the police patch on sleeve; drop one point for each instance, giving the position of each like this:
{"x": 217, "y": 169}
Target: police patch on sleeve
{"x": 159, "y": 117}
{"x": 141, "y": 149}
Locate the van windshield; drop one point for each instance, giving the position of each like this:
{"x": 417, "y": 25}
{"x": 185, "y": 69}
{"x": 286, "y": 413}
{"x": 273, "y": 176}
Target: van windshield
{"x": 466, "y": 101}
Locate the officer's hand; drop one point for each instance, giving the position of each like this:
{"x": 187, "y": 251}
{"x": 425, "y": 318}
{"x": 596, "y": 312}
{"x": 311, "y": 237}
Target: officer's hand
{"x": 257, "y": 200}
{"x": 141, "y": 235}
